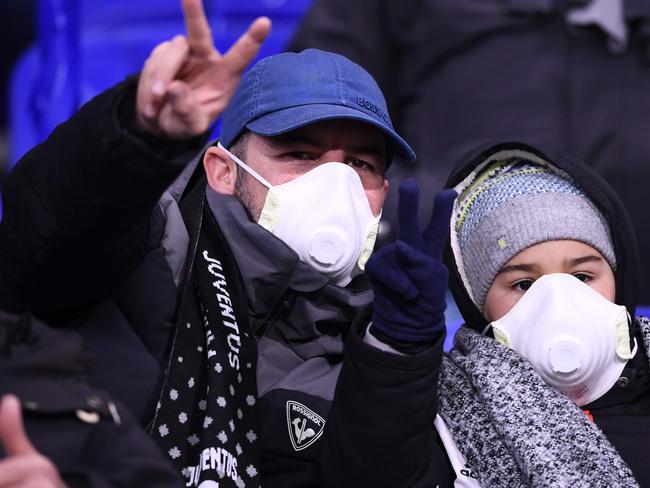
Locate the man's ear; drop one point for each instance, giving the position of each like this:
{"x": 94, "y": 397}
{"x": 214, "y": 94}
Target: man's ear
{"x": 220, "y": 170}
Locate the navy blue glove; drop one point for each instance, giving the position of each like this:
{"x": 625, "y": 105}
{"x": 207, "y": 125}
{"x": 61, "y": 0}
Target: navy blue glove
{"x": 408, "y": 276}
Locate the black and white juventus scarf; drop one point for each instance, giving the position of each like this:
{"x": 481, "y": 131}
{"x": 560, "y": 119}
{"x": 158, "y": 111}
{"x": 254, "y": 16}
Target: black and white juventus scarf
{"x": 206, "y": 418}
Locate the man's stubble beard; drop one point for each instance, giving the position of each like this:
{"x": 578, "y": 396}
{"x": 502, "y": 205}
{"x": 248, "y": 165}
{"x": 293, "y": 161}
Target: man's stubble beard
{"x": 242, "y": 193}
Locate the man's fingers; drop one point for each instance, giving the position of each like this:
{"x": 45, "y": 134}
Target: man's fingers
{"x": 149, "y": 92}
{"x": 240, "y": 54}
{"x": 12, "y": 433}
{"x": 438, "y": 229}
{"x": 181, "y": 98}
{"x": 408, "y": 226}
{"x": 199, "y": 34}
{"x": 163, "y": 66}
{"x": 28, "y": 471}
{"x": 24, "y": 465}
{"x": 166, "y": 67}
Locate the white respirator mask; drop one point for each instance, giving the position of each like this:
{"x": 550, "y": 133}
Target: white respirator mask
{"x": 324, "y": 216}
{"x": 576, "y": 339}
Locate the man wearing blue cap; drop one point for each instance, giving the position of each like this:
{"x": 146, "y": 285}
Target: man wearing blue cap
{"x": 217, "y": 300}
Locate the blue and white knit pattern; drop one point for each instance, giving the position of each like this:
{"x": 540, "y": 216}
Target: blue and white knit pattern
{"x": 520, "y": 180}
{"x": 512, "y": 205}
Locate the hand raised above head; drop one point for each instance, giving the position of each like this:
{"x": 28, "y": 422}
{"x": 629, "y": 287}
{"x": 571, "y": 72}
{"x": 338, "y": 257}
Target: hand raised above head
{"x": 186, "y": 83}
{"x": 408, "y": 276}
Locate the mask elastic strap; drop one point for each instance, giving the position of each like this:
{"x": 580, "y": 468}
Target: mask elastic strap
{"x": 245, "y": 167}
{"x": 485, "y": 329}
{"x": 628, "y": 332}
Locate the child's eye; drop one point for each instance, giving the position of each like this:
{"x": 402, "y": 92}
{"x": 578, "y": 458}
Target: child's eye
{"x": 582, "y": 277}
{"x": 523, "y": 285}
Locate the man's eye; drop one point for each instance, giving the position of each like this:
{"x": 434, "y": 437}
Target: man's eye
{"x": 361, "y": 164}
{"x": 523, "y": 285}
{"x": 582, "y": 277}
{"x": 300, "y": 156}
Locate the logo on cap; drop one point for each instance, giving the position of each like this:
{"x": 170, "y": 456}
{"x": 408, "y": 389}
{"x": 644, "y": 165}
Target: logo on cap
{"x": 368, "y": 105}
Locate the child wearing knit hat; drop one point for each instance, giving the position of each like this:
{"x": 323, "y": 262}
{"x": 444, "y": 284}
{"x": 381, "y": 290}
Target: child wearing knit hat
{"x": 548, "y": 382}
{"x": 516, "y": 211}
{"x": 544, "y": 382}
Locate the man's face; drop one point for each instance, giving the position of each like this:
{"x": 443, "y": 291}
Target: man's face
{"x": 282, "y": 158}
{"x": 562, "y": 256}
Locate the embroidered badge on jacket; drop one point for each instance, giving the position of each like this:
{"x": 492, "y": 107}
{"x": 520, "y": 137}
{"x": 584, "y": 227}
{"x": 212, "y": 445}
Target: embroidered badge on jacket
{"x": 305, "y": 426}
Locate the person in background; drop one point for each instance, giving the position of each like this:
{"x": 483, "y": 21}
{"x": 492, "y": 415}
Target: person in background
{"x": 57, "y": 431}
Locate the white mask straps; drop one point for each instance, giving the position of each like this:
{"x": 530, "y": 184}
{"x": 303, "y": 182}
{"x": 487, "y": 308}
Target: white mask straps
{"x": 245, "y": 167}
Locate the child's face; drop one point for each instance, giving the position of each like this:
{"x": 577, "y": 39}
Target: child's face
{"x": 565, "y": 256}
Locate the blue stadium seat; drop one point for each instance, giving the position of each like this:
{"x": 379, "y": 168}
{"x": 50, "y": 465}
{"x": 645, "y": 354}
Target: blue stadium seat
{"x": 85, "y": 46}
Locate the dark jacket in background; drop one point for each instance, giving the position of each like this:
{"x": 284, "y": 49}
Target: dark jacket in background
{"x": 460, "y": 73}
{"x": 92, "y": 441}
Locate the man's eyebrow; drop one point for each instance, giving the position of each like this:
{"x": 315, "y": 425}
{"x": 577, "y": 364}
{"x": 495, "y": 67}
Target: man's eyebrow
{"x": 370, "y": 150}
{"x": 592, "y": 258}
{"x": 528, "y": 267}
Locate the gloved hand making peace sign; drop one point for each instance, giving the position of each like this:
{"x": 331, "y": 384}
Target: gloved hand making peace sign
{"x": 408, "y": 276}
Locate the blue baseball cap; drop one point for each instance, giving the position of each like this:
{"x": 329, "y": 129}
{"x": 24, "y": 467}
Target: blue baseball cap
{"x": 288, "y": 91}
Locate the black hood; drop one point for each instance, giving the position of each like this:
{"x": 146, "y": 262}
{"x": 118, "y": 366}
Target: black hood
{"x": 600, "y": 193}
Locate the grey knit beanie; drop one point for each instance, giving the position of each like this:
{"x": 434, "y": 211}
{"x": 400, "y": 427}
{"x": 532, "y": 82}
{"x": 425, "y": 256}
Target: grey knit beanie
{"x": 513, "y": 205}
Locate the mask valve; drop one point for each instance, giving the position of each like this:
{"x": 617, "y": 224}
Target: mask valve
{"x": 565, "y": 355}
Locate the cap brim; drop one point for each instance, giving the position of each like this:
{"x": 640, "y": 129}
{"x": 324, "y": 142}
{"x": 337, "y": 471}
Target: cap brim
{"x": 288, "y": 119}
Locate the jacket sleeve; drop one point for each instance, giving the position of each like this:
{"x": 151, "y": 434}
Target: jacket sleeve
{"x": 77, "y": 208}
{"x": 103, "y": 454}
{"x": 380, "y": 429}
{"x": 122, "y": 456}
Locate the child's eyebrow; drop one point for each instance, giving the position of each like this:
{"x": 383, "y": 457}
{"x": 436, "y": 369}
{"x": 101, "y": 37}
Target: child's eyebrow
{"x": 584, "y": 259}
{"x": 517, "y": 267}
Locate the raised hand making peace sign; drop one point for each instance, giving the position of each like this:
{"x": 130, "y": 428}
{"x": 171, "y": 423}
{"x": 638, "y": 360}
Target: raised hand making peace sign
{"x": 408, "y": 276}
{"x": 186, "y": 83}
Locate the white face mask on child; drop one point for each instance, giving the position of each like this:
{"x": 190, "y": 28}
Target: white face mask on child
{"x": 576, "y": 339}
{"x": 324, "y": 216}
